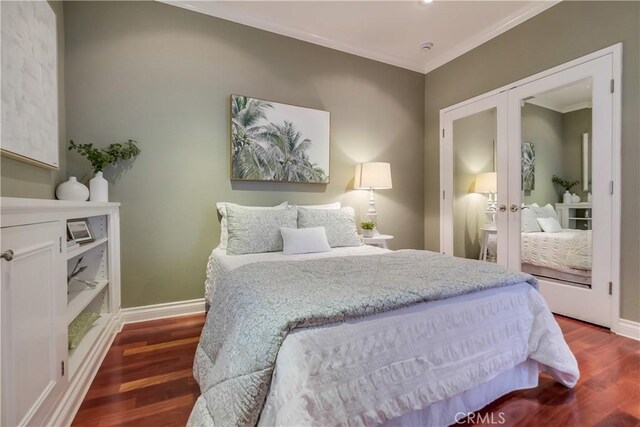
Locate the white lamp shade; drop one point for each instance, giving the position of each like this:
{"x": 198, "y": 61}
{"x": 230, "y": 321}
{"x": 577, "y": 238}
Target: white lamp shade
{"x": 372, "y": 175}
{"x": 486, "y": 182}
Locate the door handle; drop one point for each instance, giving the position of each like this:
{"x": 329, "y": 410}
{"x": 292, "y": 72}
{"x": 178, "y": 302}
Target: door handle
{"x": 7, "y": 255}
{"x": 502, "y": 208}
{"x": 513, "y": 208}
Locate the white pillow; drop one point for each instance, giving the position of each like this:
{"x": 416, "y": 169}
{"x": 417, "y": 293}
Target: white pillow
{"x": 546, "y": 211}
{"x": 304, "y": 240}
{"x": 335, "y": 205}
{"x": 340, "y": 224}
{"x": 224, "y": 228}
{"x": 530, "y": 221}
{"x": 549, "y": 225}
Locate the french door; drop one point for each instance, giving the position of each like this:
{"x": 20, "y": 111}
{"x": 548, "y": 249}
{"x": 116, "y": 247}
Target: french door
{"x": 506, "y": 160}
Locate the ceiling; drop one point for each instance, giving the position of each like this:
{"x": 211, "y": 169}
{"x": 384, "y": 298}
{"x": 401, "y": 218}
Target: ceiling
{"x": 386, "y": 31}
{"x": 568, "y": 98}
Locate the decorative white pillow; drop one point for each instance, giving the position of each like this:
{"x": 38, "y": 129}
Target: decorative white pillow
{"x": 529, "y": 221}
{"x": 549, "y": 225}
{"x": 304, "y": 240}
{"x": 222, "y": 208}
{"x": 253, "y": 231}
{"x": 339, "y": 224}
{"x": 546, "y": 211}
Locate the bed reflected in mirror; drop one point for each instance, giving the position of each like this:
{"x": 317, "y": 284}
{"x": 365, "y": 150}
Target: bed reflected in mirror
{"x": 557, "y": 203}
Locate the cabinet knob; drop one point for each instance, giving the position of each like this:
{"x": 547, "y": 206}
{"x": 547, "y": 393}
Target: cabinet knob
{"x": 7, "y": 255}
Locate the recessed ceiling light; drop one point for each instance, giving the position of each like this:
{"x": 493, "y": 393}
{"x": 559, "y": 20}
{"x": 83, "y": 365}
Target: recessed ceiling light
{"x": 426, "y": 46}
{"x": 426, "y": 1}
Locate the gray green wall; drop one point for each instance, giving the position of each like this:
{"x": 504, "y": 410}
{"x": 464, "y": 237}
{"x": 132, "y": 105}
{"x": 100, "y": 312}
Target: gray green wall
{"x": 163, "y": 76}
{"x": 574, "y": 124}
{"x": 20, "y": 179}
{"x": 543, "y": 127}
{"x": 562, "y": 33}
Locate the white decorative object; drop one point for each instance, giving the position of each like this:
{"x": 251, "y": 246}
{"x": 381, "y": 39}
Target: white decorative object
{"x": 566, "y": 197}
{"x": 372, "y": 176}
{"x": 589, "y": 197}
{"x": 367, "y": 233}
{"x": 575, "y": 198}
{"x": 29, "y": 82}
{"x": 487, "y": 183}
{"x": 99, "y": 188}
{"x": 72, "y": 190}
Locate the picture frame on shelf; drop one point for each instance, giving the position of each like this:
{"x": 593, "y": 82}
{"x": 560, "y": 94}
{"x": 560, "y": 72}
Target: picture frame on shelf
{"x": 80, "y": 230}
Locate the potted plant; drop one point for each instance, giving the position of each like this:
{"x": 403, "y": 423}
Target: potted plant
{"x": 100, "y": 158}
{"x": 566, "y": 185}
{"x": 368, "y": 228}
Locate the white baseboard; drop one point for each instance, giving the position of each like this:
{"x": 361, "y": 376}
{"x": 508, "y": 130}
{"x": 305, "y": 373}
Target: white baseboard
{"x": 160, "y": 311}
{"x": 628, "y": 328}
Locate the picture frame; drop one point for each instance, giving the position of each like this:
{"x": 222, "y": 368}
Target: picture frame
{"x": 528, "y": 166}
{"x": 80, "y": 230}
{"x": 276, "y": 142}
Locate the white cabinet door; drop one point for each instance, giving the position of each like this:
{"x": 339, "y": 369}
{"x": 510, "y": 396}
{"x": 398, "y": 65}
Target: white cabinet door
{"x": 33, "y": 296}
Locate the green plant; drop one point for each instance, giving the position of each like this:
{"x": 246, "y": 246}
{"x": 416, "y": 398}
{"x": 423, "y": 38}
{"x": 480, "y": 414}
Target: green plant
{"x": 563, "y": 183}
{"x": 100, "y": 158}
{"x": 368, "y": 225}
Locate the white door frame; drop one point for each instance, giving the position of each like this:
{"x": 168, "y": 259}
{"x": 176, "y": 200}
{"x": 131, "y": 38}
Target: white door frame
{"x": 499, "y": 102}
{"x": 617, "y": 324}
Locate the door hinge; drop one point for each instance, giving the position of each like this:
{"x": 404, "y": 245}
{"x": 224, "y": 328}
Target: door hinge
{"x": 60, "y": 243}
{"x": 610, "y": 288}
{"x": 610, "y": 187}
{"x": 442, "y": 194}
{"x": 62, "y": 368}
{"x": 612, "y": 86}
{"x": 443, "y": 133}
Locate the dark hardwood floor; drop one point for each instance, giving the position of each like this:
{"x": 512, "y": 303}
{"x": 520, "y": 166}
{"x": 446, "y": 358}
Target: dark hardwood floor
{"x": 146, "y": 380}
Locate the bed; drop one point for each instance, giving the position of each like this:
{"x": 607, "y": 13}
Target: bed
{"x": 565, "y": 255}
{"x": 308, "y": 326}
{"x": 372, "y": 355}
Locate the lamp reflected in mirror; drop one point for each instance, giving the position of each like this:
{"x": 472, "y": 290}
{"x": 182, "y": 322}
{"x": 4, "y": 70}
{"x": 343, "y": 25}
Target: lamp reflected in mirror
{"x": 487, "y": 183}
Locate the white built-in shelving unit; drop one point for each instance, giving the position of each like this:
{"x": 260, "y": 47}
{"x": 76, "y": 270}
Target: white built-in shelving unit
{"x": 46, "y": 381}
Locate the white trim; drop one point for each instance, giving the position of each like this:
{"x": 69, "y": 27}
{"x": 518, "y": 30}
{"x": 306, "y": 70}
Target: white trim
{"x": 495, "y": 30}
{"x": 627, "y": 328}
{"x": 161, "y": 311}
{"x": 559, "y": 108}
{"x": 517, "y": 18}
{"x": 68, "y": 405}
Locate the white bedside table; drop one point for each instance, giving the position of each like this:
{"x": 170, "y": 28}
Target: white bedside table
{"x": 484, "y": 246}
{"x": 381, "y": 240}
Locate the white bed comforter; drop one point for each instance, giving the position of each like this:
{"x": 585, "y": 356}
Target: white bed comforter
{"x": 220, "y": 263}
{"x": 384, "y": 366}
{"x": 566, "y": 251}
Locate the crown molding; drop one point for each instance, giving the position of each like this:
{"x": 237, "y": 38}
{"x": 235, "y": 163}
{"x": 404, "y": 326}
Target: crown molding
{"x": 517, "y": 18}
{"x": 217, "y": 10}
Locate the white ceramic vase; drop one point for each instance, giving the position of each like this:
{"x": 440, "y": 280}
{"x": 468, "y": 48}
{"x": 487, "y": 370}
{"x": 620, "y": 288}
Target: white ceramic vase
{"x": 72, "y": 190}
{"x": 367, "y": 233}
{"x": 575, "y": 198}
{"x": 99, "y": 188}
{"x": 566, "y": 197}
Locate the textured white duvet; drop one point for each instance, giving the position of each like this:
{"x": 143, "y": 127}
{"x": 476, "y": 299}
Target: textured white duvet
{"x": 420, "y": 365}
{"x": 567, "y": 251}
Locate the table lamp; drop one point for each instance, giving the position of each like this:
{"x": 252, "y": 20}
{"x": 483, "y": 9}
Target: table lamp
{"x": 372, "y": 176}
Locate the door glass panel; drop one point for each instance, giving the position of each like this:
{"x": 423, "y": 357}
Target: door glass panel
{"x": 474, "y": 186}
{"x": 556, "y": 164}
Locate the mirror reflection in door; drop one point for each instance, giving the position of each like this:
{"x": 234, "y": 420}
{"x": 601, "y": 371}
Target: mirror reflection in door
{"x": 474, "y": 185}
{"x": 556, "y": 184}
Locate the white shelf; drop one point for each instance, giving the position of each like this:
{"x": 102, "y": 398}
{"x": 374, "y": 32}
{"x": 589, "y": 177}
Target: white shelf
{"x": 80, "y": 296}
{"x": 580, "y": 218}
{"x": 86, "y": 247}
{"x": 77, "y": 355}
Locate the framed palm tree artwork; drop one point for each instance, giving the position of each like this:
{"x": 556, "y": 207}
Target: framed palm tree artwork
{"x": 278, "y": 142}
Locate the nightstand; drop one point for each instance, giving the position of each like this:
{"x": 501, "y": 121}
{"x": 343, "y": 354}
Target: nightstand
{"x": 486, "y": 232}
{"x": 381, "y": 240}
